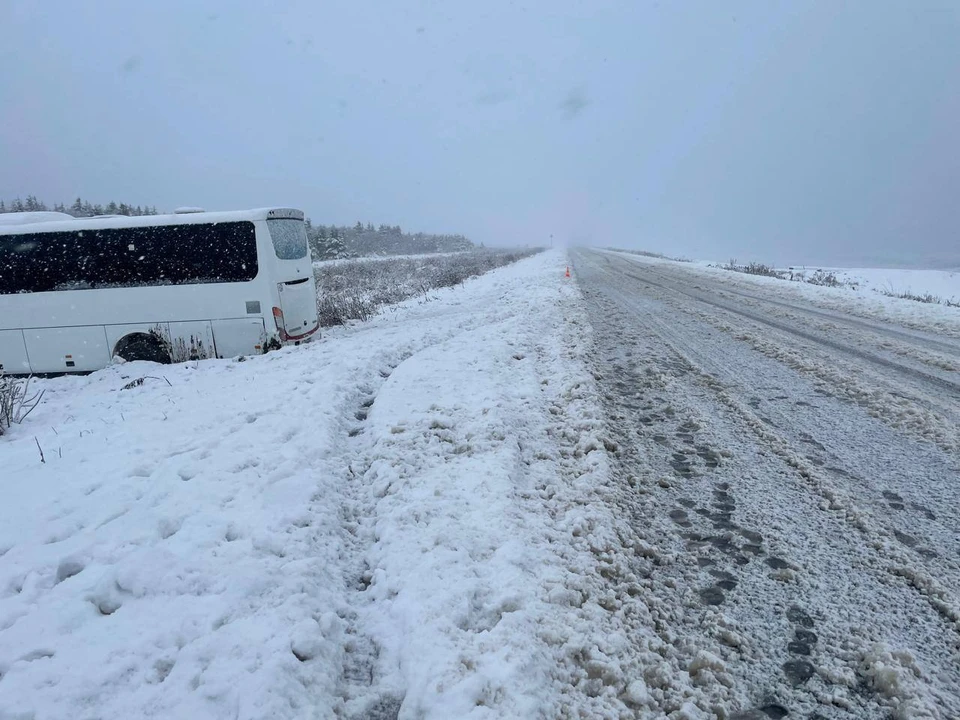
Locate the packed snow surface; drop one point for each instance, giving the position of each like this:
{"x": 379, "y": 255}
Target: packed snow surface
{"x": 796, "y": 454}
{"x": 648, "y": 490}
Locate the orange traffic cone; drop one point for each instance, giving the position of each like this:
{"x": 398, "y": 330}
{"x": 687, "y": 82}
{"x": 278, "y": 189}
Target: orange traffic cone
{"x": 568, "y": 271}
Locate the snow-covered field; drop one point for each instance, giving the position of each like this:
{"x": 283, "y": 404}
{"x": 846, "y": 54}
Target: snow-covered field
{"x": 399, "y": 516}
{"x": 941, "y": 284}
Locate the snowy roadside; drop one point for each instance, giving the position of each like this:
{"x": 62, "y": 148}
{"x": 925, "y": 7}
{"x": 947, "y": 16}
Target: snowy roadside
{"x": 864, "y": 301}
{"x": 402, "y": 517}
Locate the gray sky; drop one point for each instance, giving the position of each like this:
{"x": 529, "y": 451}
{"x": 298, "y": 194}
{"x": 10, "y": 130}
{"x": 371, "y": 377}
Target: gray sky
{"x": 774, "y": 131}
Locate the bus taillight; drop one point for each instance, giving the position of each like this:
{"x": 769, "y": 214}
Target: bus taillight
{"x": 278, "y": 319}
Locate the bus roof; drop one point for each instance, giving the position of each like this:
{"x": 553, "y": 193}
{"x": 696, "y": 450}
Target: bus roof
{"x": 70, "y": 224}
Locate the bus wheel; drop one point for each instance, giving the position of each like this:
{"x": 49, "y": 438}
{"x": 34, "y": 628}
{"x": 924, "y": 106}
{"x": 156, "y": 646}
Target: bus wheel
{"x": 142, "y": 346}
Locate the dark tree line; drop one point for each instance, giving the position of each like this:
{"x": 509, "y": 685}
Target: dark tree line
{"x": 329, "y": 242}
{"x": 79, "y": 208}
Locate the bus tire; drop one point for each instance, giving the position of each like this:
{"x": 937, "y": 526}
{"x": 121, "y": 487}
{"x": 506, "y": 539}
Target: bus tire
{"x": 142, "y": 346}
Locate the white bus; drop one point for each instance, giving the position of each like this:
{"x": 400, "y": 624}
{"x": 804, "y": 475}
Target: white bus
{"x": 76, "y": 293}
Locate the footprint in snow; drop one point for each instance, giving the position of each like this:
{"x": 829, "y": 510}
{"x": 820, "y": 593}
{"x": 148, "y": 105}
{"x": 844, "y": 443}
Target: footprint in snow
{"x": 802, "y": 642}
{"x": 768, "y": 711}
{"x": 799, "y": 616}
{"x": 778, "y": 563}
{"x": 725, "y": 580}
{"x": 893, "y": 500}
{"x": 754, "y": 537}
{"x": 712, "y": 596}
{"x": 798, "y": 671}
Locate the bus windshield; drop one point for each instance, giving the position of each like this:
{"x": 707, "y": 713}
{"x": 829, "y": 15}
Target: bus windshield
{"x": 289, "y": 238}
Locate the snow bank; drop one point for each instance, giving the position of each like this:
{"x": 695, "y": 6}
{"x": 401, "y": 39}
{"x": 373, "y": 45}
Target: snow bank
{"x": 486, "y": 469}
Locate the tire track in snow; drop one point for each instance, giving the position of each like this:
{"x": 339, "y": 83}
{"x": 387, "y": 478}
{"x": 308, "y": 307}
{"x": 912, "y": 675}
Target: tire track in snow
{"x": 909, "y": 403}
{"x": 915, "y": 337}
{"x": 936, "y": 335}
{"x": 360, "y": 684}
{"x": 939, "y": 382}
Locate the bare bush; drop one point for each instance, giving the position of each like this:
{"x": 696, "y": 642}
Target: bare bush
{"x": 826, "y": 279}
{"x": 928, "y": 298}
{"x": 358, "y": 289}
{"x": 755, "y": 268}
{"x": 823, "y": 278}
{"x": 180, "y": 350}
{"x": 16, "y": 400}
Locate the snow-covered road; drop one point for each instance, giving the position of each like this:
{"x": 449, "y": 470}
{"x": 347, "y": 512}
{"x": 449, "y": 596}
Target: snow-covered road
{"x": 797, "y": 471}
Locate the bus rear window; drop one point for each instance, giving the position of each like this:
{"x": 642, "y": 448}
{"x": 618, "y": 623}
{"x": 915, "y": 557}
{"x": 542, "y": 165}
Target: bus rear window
{"x": 289, "y": 238}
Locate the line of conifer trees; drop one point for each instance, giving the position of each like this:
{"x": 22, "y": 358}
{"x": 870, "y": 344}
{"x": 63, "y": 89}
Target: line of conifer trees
{"x": 79, "y": 208}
